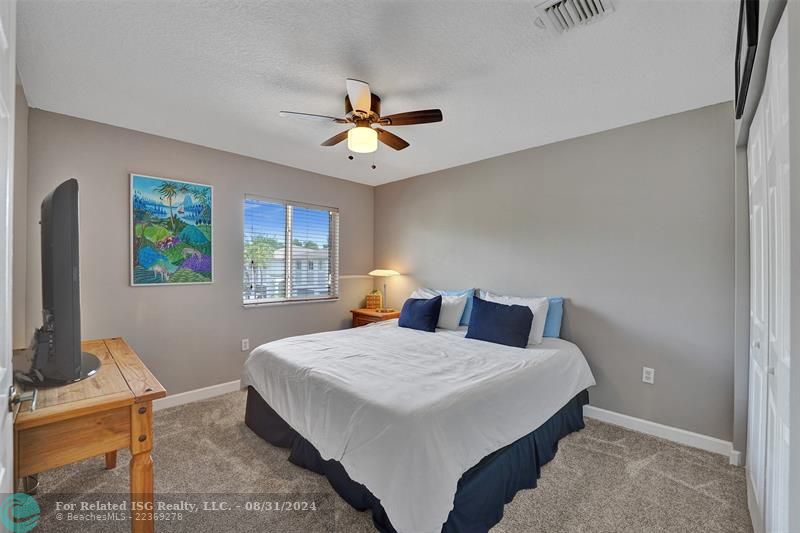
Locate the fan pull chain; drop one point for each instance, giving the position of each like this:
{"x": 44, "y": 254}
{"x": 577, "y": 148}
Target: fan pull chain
{"x": 373, "y": 166}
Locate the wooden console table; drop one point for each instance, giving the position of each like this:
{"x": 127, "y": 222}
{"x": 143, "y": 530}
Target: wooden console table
{"x": 104, "y": 413}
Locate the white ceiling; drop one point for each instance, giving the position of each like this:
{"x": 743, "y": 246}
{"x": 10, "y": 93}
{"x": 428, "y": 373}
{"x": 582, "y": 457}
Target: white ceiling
{"x": 216, "y": 72}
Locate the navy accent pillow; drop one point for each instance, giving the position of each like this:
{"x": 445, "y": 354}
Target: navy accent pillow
{"x": 501, "y": 324}
{"x": 421, "y": 314}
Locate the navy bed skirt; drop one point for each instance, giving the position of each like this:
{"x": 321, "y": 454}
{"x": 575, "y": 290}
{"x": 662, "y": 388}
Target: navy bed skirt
{"x": 482, "y": 491}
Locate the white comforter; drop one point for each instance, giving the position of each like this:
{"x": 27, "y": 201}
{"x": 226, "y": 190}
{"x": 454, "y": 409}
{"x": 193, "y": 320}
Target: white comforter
{"x": 408, "y": 412}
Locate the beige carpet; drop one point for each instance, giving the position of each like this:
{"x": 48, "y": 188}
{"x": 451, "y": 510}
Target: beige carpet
{"x": 603, "y": 479}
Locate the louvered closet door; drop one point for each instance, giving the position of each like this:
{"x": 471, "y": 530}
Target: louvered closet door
{"x": 776, "y": 127}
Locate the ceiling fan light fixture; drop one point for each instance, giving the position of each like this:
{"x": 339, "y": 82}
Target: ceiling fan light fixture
{"x": 362, "y": 140}
{"x": 363, "y": 110}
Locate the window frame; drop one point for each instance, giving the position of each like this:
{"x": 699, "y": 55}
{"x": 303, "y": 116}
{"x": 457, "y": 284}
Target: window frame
{"x": 334, "y": 242}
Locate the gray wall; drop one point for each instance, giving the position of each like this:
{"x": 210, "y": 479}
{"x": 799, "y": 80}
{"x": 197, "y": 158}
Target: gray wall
{"x": 634, "y": 225}
{"x": 19, "y": 332}
{"x": 189, "y": 336}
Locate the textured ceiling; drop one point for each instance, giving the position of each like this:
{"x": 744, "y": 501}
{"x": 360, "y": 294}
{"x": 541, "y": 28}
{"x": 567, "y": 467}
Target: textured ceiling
{"x": 216, "y": 73}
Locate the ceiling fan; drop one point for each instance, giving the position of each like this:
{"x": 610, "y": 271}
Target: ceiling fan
{"x": 363, "y": 109}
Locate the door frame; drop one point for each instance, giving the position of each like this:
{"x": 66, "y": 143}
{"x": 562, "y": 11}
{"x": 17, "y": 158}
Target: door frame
{"x": 7, "y": 114}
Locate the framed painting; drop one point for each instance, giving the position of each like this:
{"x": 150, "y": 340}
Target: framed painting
{"x": 172, "y": 231}
{"x": 746, "y": 43}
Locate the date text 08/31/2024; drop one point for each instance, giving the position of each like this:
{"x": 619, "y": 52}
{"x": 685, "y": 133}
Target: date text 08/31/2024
{"x": 190, "y": 507}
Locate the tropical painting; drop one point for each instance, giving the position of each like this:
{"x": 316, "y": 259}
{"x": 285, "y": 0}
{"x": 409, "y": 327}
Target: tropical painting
{"x": 171, "y": 231}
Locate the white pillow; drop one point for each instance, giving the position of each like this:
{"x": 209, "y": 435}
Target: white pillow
{"x": 452, "y": 307}
{"x": 537, "y": 305}
{"x": 424, "y": 294}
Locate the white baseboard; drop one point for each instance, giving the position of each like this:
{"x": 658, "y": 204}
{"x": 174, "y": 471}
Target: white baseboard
{"x": 736, "y": 457}
{"x": 681, "y": 436}
{"x": 196, "y": 395}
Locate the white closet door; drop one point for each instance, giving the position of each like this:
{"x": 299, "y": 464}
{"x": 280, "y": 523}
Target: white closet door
{"x": 776, "y": 124}
{"x": 768, "y": 410}
{"x": 756, "y": 417}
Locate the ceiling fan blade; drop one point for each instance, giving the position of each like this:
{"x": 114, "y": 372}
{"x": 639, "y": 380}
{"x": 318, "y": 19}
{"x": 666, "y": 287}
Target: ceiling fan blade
{"x": 423, "y": 116}
{"x": 309, "y": 116}
{"x": 336, "y": 139}
{"x": 360, "y": 95}
{"x": 391, "y": 140}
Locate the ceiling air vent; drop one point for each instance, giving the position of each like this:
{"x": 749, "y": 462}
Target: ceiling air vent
{"x": 563, "y": 15}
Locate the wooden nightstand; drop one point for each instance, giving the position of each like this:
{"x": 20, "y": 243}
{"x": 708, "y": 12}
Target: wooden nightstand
{"x": 362, "y": 317}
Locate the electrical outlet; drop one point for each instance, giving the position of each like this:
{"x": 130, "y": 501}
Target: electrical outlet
{"x": 648, "y": 375}
{"x": 245, "y": 344}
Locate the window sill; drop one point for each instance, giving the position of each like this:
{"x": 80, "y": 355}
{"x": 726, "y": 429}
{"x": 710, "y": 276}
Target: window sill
{"x": 290, "y": 302}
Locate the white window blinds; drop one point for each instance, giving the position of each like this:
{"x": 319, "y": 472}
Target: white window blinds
{"x": 291, "y": 251}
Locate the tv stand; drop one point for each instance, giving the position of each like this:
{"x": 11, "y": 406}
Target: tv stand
{"x": 90, "y": 364}
{"x": 96, "y": 417}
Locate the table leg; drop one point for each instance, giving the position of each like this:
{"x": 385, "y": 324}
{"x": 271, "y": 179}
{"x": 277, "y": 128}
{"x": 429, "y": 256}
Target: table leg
{"x": 142, "y": 468}
{"x": 142, "y": 493}
{"x": 111, "y": 460}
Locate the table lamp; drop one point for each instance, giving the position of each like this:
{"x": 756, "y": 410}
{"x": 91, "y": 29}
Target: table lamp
{"x": 380, "y": 273}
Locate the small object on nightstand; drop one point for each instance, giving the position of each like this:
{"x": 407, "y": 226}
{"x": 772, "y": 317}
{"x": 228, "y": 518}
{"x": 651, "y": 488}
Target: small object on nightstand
{"x": 374, "y": 300}
{"x": 362, "y": 317}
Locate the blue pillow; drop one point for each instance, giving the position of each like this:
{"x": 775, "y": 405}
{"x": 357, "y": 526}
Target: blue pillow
{"x": 501, "y": 324}
{"x": 555, "y": 312}
{"x": 420, "y": 314}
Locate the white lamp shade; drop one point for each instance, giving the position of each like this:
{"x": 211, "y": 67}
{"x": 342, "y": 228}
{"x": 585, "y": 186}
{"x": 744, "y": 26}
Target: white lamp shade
{"x": 362, "y": 140}
{"x": 380, "y": 273}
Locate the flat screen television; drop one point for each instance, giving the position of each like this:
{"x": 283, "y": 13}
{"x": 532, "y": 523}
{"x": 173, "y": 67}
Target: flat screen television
{"x": 57, "y": 355}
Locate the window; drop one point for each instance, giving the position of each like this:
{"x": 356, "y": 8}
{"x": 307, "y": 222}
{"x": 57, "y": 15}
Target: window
{"x": 305, "y": 269}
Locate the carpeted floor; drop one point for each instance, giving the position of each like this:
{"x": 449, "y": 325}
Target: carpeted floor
{"x": 603, "y": 479}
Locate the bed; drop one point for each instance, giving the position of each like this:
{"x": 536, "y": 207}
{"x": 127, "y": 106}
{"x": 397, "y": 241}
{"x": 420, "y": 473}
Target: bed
{"x": 431, "y": 431}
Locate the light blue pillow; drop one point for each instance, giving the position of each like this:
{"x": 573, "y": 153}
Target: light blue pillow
{"x": 469, "y": 293}
{"x": 555, "y": 312}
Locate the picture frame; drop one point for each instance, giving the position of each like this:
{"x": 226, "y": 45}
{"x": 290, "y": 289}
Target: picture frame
{"x": 171, "y": 231}
{"x": 746, "y": 44}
